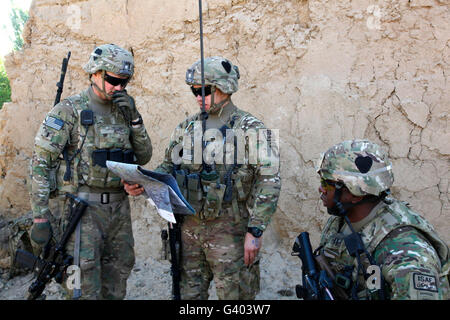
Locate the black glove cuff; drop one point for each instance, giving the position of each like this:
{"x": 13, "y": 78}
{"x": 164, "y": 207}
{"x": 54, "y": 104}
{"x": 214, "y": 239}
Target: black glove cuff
{"x": 139, "y": 121}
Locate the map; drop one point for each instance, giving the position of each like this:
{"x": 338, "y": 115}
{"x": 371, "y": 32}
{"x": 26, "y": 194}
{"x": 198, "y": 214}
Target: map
{"x": 161, "y": 189}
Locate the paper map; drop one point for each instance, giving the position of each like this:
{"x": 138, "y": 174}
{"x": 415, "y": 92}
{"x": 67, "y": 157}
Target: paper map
{"x": 161, "y": 189}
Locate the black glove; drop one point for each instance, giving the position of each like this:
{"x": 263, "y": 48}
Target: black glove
{"x": 41, "y": 233}
{"x": 122, "y": 100}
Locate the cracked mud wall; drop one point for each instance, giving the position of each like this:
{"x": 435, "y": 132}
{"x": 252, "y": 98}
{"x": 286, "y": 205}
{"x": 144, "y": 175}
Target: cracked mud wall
{"x": 320, "y": 71}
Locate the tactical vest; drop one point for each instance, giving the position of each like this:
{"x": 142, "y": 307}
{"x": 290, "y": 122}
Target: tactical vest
{"x": 208, "y": 195}
{"x": 388, "y": 218}
{"x": 107, "y": 139}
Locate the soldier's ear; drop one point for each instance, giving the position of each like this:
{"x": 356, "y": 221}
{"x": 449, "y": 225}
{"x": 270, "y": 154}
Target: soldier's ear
{"x": 97, "y": 75}
{"x": 355, "y": 199}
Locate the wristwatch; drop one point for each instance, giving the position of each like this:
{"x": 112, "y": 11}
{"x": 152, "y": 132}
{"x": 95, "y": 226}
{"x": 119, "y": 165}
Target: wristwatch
{"x": 139, "y": 121}
{"x": 254, "y": 231}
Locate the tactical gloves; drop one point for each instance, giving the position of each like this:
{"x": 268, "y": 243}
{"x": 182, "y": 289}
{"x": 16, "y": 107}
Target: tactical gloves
{"x": 41, "y": 233}
{"x": 122, "y": 100}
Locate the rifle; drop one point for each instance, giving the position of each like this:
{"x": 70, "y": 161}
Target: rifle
{"x": 175, "y": 256}
{"x": 55, "y": 260}
{"x": 316, "y": 285}
{"x": 60, "y": 84}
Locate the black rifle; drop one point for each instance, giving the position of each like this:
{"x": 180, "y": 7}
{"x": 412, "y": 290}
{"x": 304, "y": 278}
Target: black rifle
{"x": 175, "y": 256}
{"x": 316, "y": 284}
{"x": 55, "y": 260}
{"x": 60, "y": 84}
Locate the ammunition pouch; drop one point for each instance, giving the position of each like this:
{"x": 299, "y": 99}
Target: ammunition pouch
{"x": 53, "y": 182}
{"x": 194, "y": 187}
{"x": 210, "y": 196}
{"x": 214, "y": 199}
{"x": 181, "y": 177}
{"x": 100, "y": 156}
{"x": 194, "y": 191}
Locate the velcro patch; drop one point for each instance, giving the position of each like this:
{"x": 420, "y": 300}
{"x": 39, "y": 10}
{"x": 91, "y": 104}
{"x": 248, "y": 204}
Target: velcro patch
{"x": 54, "y": 123}
{"x": 424, "y": 282}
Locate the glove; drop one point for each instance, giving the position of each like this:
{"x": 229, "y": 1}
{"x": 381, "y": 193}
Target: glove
{"x": 122, "y": 100}
{"x": 41, "y": 233}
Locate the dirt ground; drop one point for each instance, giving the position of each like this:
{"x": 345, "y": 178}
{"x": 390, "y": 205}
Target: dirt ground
{"x": 149, "y": 280}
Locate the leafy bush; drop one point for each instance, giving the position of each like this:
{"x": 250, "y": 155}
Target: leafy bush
{"x": 5, "y": 88}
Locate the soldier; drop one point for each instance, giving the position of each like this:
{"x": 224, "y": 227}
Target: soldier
{"x": 355, "y": 179}
{"x": 100, "y": 123}
{"x": 234, "y": 202}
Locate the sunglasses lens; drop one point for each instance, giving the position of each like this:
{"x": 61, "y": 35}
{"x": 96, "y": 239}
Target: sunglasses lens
{"x": 327, "y": 185}
{"x": 198, "y": 91}
{"x": 195, "y": 91}
{"x": 116, "y": 81}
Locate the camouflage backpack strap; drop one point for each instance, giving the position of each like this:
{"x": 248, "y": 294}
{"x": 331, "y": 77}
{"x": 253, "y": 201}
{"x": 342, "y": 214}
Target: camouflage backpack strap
{"x": 78, "y": 103}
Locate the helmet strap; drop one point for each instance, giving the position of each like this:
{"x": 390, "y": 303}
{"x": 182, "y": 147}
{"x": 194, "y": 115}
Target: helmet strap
{"x": 103, "y": 85}
{"x": 339, "y": 209}
{"x": 216, "y": 106}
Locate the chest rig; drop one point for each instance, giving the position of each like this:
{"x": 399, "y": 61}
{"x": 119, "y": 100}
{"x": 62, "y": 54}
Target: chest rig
{"x": 389, "y": 218}
{"x": 95, "y": 139}
{"x": 220, "y": 188}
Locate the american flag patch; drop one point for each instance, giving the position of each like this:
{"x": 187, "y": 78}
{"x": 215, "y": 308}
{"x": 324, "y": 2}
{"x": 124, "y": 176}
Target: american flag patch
{"x": 54, "y": 123}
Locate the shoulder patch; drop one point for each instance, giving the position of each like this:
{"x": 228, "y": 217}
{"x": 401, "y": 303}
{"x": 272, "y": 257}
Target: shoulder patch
{"x": 54, "y": 123}
{"x": 424, "y": 282}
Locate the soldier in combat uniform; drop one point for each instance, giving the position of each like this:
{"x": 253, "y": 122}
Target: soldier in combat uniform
{"x": 233, "y": 203}
{"x": 355, "y": 179}
{"x": 71, "y": 148}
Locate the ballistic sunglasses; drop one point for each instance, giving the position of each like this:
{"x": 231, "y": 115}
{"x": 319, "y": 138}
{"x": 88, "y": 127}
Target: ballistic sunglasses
{"x": 116, "y": 81}
{"x": 327, "y": 184}
{"x": 198, "y": 91}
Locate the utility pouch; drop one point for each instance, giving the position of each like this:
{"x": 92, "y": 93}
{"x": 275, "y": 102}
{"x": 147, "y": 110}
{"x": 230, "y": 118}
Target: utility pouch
{"x": 99, "y": 157}
{"x": 128, "y": 156}
{"x": 181, "y": 177}
{"x": 116, "y": 155}
{"x": 214, "y": 199}
{"x": 53, "y": 182}
{"x": 240, "y": 189}
{"x": 195, "y": 192}
{"x": 343, "y": 281}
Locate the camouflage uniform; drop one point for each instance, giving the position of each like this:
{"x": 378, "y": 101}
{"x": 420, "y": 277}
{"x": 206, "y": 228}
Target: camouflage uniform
{"x": 213, "y": 239}
{"x": 107, "y": 244}
{"x": 414, "y": 261}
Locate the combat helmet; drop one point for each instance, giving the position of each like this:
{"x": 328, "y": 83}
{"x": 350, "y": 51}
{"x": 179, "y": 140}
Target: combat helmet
{"x": 362, "y": 166}
{"x": 219, "y": 72}
{"x": 112, "y": 58}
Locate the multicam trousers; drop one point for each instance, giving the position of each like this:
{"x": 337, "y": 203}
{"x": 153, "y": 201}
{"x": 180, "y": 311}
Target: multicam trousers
{"x": 214, "y": 249}
{"x": 106, "y": 250}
